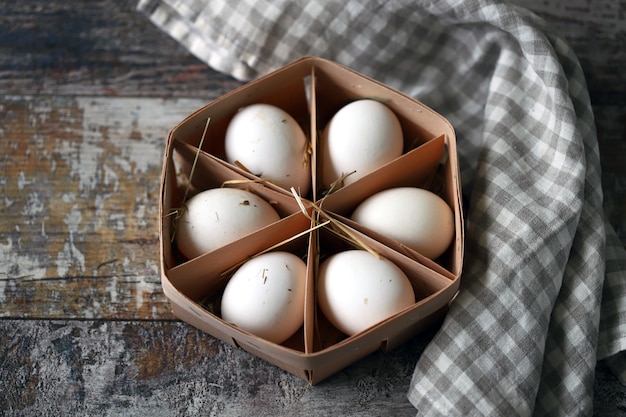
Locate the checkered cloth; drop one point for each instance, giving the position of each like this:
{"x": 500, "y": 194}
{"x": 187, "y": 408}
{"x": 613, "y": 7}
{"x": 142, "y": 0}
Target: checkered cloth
{"x": 543, "y": 289}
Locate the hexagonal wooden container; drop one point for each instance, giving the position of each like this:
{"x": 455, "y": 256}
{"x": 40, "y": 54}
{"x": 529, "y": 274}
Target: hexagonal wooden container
{"x": 310, "y": 89}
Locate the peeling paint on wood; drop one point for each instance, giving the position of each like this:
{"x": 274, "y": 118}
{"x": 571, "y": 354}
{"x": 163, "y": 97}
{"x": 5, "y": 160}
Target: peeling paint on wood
{"x": 169, "y": 369}
{"x": 80, "y": 188}
{"x": 99, "y": 367}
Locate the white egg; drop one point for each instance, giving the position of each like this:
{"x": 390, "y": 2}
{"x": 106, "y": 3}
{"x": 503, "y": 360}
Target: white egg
{"x": 418, "y": 218}
{"x": 218, "y": 216}
{"x": 357, "y": 290}
{"x": 362, "y": 136}
{"x": 265, "y": 296}
{"x": 269, "y": 143}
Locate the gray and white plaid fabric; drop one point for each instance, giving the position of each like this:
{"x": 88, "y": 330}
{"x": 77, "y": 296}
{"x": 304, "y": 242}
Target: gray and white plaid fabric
{"x": 543, "y": 293}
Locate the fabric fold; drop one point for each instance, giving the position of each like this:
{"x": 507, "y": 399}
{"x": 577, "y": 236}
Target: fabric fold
{"x": 543, "y": 291}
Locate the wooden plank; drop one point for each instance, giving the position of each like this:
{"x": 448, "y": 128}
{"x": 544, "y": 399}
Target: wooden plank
{"x": 168, "y": 368}
{"x": 51, "y": 367}
{"x": 80, "y": 205}
{"x": 96, "y": 47}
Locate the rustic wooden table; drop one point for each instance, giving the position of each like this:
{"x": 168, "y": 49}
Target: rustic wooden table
{"x": 88, "y": 92}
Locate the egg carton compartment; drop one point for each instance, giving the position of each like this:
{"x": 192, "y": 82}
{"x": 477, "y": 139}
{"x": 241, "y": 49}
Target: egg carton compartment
{"x": 311, "y": 90}
{"x": 189, "y": 171}
{"x": 425, "y": 167}
{"x": 290, "y": 91}
{"x": 333, "y": 90}
{"x": 426, "y": 285}
{"x": 196, "y": 287}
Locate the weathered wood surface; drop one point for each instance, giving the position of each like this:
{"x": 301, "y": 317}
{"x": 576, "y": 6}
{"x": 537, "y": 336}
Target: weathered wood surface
{"x": 100, "y": 367}
{"x": 96, "y": 48}
{"x": 170, "y": 369}
{"x": 88, "y": 91}
{"x": 80, "y": 218}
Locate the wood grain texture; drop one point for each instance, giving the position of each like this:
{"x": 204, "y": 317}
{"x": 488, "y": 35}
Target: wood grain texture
{"x": 60, "y": 367}
{"x": 80, "y": 202}
{"x": 88, "y": 92}
{"x": 96, "y": 48}
{"x": 169, "y": 369}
